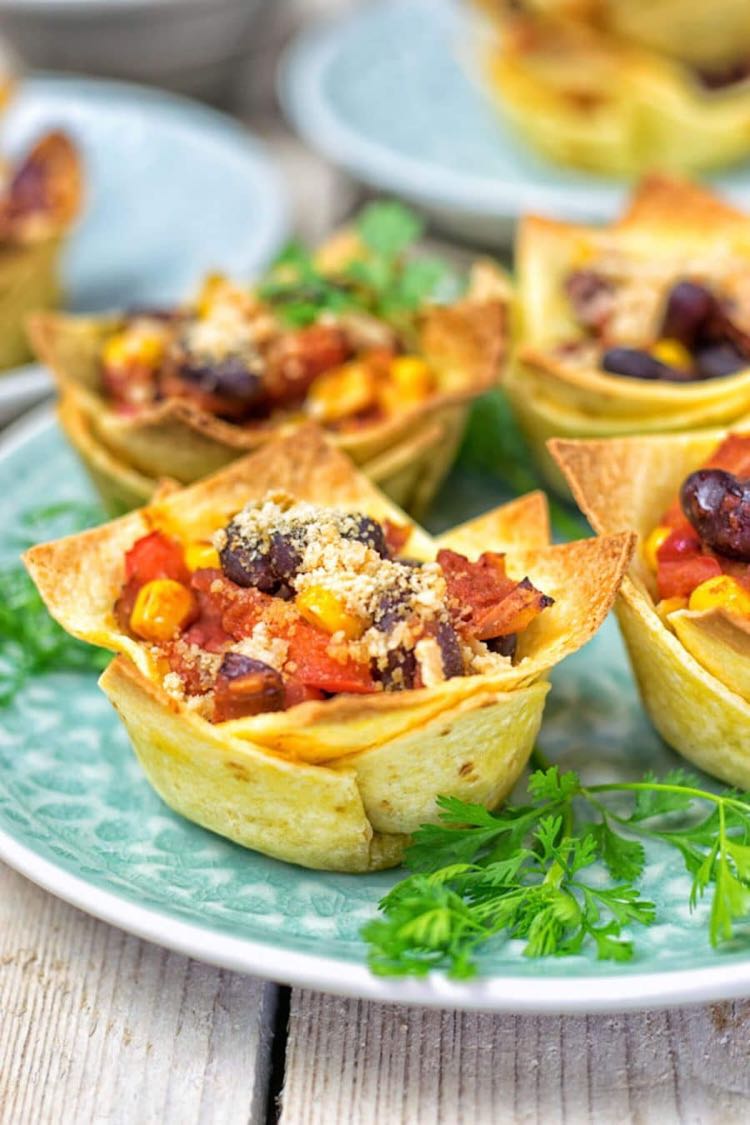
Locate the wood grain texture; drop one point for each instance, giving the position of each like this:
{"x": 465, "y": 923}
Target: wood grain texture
{"x": 98, "y": 1028}
{"x": 363, "y": 1064}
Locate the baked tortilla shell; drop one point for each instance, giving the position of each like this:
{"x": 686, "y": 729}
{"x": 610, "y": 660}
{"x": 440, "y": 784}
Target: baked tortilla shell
{"x": 469, "y": 736}
{"x": 638, "y": 109}
{"x": 629, "y": 483}
{"x": 543, "y": 417}
{"x": 355, "y": 817}
{"x": 409, "y": 473}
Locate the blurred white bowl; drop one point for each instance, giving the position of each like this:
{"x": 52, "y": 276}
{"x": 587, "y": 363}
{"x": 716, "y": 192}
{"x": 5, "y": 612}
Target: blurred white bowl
{"x": 184, "y": 45}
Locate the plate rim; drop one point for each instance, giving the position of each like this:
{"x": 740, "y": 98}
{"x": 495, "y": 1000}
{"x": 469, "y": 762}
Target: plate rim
{"x": 546, "y": 994}
{"x": 301, "y": 71}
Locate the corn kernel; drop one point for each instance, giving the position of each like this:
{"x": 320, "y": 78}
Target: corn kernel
{"x": 412, "y": 376}
{"x": 201, "y": 554}
{"x": 721, "y": 592}
{"x": 583, "y": 252}
{"x": 161, "y": 609}
{"x": 326, "y": 611}
{"x": 652, "y": 544}
{"x": 673, "y": 353}
{"x": 133, "y": 346}
{"x": 342, "y": 392}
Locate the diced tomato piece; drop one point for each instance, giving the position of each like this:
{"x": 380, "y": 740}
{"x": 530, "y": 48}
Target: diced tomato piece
{"x": 476, "y": 586}
{"x": 239, "y": 608}
{"x": 733, "y": 455}
{"x": 316, "y": 668}
{"x": 296, "y": 359}
{"x": 296, "y": 692}
{"x": 677, "y": 578}
{"x": 491, "y": 604}
{"x": 207, "y": 631}
{"x": 680, "y": 544}
{"x": 155, "y": 556}
{"x": 513, "y": 614}
{"x": 396, "y": 535}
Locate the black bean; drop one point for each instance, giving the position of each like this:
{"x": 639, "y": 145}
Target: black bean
{"x": 717, "y": 505}
{"x": 688, "y": 309}
{"x": 231, "y": 378}
{"x": 247, "y": 563}
{"x": 254, "y": 561}
{"x": 450, "y": 650}
{"x": 503, "y": 646}
{"x": 285, "y": 555}
{"x": 637, "y": 364}
{"x": 400, "y": 671}
{"x": 368, "y": 531}
{"x": 713, "y": 361}
{"x": 391, "y": 608}
{"x": 245, "y": 686}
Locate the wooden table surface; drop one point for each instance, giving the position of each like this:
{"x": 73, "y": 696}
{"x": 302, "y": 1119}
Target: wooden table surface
{"x": 99, "y": 1028}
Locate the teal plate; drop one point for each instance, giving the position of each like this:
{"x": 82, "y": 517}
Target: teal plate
{"x": 78, "y": 817}
{"x": 385, "y": 92}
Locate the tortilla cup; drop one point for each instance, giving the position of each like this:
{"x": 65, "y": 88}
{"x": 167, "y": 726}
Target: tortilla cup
{"x": 30, "y": 247}
{"x": 593, "y": 100}
{"x": 464, "y": 344}
{"x": 709, "y": 36}
{"x": 691, "y": 678}
{"x": 341, "y": 783}
{"x": 566, "y": 396}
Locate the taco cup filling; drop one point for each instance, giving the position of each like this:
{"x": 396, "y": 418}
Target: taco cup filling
{"x": 292, "y": 602}
{"x": 660, "y": 322}
{"x": 699, "y": 553}
{"x": 337, "y": 336}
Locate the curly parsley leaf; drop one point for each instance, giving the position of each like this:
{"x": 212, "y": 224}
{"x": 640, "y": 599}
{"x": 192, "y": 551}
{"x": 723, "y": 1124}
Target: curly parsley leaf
{"x": 536, "y": 873}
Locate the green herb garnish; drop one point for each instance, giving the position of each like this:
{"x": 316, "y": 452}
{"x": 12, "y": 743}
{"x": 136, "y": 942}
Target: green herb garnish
{"x": 32, "y": 643}
{"x": 384, "y": 281}
{"x": 525, "y": 872}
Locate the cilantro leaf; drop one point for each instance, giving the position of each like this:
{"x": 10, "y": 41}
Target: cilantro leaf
{"x": 388, "y": 228}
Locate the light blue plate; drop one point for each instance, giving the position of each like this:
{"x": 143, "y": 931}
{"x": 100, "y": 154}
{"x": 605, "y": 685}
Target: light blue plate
{"x": 385, "y": 93}
{"x": 174, "y": 189}
{"x": 78, "y": 817}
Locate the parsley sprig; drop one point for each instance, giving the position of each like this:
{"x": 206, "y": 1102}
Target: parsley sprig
{"x": 529, "y": 872}
{"x": 32, "y": 643}
{"x": 384, "y": 280}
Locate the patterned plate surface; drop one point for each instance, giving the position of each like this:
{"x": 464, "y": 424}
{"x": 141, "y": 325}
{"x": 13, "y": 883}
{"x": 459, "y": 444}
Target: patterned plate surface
{"x": 77, "y": 816}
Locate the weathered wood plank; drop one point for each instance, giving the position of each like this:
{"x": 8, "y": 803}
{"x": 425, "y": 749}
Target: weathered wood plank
{"x": 366, "y": 1063}
{"x": 100, "y": 1028}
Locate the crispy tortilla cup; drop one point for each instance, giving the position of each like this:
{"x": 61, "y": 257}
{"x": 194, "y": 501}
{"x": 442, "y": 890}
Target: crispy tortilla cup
{"x": 693, "y": 669}
{"x": 588, "y": 97}
{"x": 338, "y": 784}
{"x": 31, "y": 244}
{"x": 710, "y": 36}
{"x": 667, "y": 220}
{"x": 464, "y": 343}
